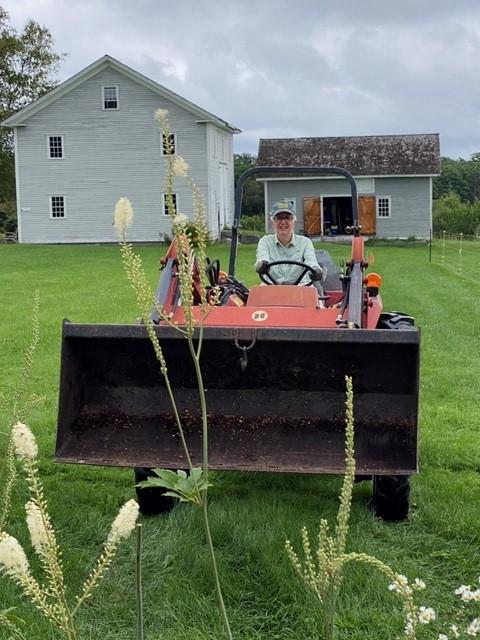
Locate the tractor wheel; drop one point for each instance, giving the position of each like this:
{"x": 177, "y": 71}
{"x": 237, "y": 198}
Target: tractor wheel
{"x": 391, "y": 497}
{"x": 395, "y": 321}
{"x": 391, "y": 493}
{"x": 151, "y": 500}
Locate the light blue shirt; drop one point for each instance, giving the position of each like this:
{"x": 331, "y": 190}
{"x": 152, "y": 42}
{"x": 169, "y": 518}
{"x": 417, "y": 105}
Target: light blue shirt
{"x": 299, "y": 248}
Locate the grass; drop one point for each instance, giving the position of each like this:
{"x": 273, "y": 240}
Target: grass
{"x": 252, "y": 514}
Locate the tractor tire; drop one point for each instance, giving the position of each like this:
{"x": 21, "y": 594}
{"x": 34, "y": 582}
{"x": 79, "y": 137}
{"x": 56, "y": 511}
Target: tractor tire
{"x": 396, "y": 321}
{"x": 390, "y": 499}
{"x": 151, "y": 500}
{"x": 391, "y": 494}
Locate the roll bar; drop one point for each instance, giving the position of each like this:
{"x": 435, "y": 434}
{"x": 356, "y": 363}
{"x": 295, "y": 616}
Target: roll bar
{"x": 285, "y": 170}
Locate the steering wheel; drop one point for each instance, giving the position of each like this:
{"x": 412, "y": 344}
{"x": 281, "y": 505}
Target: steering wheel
{"x": 305, "y": 269}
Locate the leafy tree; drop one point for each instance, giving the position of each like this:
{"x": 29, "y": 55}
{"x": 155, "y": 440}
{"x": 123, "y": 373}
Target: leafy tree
{"x": 253, "y": 199}
{"x": 454, "y": 216}
{"x": 28, "y": 65}
{"x": 459, "y": 176}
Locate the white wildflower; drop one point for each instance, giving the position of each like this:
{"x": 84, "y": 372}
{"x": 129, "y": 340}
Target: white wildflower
{"x": 123, "y": 216}
{"x": 418, "y": 584}
{"x": 24, "y": 442}
{"x": 426, "y": 615}
{"x": 463, "y": 588}
{"x": 180, "y": 221}
{"x": 442, "y": 636}
{"x": 454, "y": 630}
{"x": 36, "y": 526}
{"x": 12, "y": 556}
{"x": 124, "y": 523}
{"x": 400, "y": 584}
{"x": 409, "y": 628}
{"x": 160, "y": 115}
{"x": 180, "y": 167}
{"x": 473, "y": 628}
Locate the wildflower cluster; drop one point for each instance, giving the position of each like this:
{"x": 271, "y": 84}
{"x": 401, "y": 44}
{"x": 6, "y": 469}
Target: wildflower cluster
{"x": 51, "y": 599}
{"x": 195, "y": 301}
{"x": 467, "y": 594}
{"x": 322, "y": 571}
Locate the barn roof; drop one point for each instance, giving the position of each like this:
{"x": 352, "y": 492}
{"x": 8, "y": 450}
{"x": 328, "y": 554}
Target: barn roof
{"x": 415, "y": 154}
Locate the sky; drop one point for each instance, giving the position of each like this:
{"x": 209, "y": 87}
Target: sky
{"x": 291, "y": 68}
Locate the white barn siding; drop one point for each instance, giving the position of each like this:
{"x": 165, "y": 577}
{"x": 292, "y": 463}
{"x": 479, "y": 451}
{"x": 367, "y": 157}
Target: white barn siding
{"x": 411, "y": 207}
{"x": 108, "y": 154}
{"x": 221, "y": 179}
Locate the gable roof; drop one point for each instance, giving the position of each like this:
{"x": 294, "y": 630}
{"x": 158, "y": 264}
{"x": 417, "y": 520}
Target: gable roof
{"x": 19, "y": 118}
{"x": 416, "y": 154}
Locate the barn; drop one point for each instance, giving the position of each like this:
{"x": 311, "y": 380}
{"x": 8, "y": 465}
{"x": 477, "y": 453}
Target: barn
{"x": 393, "y": 174}
{"x": 94, "y": 139}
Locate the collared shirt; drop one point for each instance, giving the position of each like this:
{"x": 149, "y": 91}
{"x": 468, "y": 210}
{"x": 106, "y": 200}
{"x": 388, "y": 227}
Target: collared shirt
{"x": 299, "y": 248}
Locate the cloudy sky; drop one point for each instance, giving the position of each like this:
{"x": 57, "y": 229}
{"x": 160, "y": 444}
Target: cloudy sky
{"x": 291, "y": 68}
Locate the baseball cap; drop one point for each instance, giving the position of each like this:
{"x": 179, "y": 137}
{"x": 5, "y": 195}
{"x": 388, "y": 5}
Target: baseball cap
{"x": 282, "y": 206}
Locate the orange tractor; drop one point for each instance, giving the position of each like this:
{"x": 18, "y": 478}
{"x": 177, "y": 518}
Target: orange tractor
{"x": 274, "y": 366}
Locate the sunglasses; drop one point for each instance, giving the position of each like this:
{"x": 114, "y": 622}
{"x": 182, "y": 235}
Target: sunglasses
{"x": 284, "y": 217}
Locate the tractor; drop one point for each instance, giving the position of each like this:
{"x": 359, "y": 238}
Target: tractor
{"x": 274, "y": 363}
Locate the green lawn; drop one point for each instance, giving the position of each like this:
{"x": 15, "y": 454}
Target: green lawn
{"x": 252, "y": 514}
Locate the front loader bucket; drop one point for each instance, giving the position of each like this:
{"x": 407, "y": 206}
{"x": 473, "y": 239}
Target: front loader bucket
{"x": 283, "y": 411}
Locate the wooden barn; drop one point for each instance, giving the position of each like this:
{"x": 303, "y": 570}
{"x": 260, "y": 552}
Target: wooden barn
{"x": 393, "y": 175}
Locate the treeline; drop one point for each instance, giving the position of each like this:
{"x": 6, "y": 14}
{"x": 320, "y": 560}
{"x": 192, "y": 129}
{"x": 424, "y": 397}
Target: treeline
{"x": 456, "y": 196}
{"x": 28, "y": 69}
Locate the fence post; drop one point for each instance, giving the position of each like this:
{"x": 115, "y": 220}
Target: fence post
{"x": 443, "y": 246}
{"x": 430, "y": 248}
{"x": 460, "y": 252}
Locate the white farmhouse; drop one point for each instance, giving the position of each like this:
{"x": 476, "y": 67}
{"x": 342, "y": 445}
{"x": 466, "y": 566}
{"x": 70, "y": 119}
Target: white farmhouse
{"x": 94, "y": 139}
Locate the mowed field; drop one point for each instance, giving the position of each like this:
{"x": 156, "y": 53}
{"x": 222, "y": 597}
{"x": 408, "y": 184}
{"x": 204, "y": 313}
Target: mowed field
{"x": 253, "y": 514}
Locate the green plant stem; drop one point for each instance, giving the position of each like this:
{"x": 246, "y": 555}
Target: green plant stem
{"x": 218, "y": 589}
{"x": 178, "y": 421}
{"x": 328, "y": 613}
{"x": 203, "y": 406}
{"x": 138, "y": 583}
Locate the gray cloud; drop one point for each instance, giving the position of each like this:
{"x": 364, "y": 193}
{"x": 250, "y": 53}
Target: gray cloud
{"x": 283, "y": 68}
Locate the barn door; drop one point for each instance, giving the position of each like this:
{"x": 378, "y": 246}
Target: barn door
{"x": 311, "y": 216}
{"x": 366, "y": 215}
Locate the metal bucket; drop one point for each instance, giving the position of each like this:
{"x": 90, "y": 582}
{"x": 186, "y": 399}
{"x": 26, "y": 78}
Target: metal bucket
{"x": 283, "y": 411}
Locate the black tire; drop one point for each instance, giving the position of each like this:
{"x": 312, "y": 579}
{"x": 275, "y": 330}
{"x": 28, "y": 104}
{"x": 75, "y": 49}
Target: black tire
{"x": 391, "y": 497}
{"x": 151, "y": 500}
{"x": 396, "y": 321}
{"x": 391, "y": 493}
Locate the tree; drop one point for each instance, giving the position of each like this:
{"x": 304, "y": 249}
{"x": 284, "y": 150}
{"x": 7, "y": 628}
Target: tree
{"x": 28, "y": 66}
{"x": 253, "y": 199}
{"x": 459, "y": 176}
{"x": 454, "y": 216}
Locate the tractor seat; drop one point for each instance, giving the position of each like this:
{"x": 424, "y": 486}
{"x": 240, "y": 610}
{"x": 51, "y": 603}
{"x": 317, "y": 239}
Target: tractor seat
{"x": 283, "y": 295}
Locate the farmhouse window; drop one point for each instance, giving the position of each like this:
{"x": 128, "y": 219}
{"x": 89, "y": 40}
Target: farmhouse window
{"x": 55, "y": 147}
{"x": 168, "y": 144}
{"x": 384, "y": 206}
{"x": 165, "y": 210}
{"x": 57, "y": 206}
{"x": 110, "y": 97}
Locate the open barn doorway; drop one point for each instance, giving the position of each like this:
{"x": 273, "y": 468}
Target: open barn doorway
{"x": 337, "y": 215}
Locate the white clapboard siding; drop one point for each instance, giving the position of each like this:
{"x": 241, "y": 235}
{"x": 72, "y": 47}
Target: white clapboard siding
{"x": 113, "y": 153}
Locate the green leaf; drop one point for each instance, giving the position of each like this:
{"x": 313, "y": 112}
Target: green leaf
{"x": 186, "y": 487}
